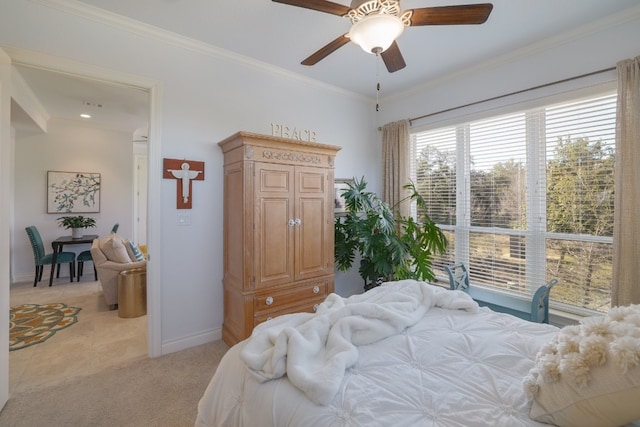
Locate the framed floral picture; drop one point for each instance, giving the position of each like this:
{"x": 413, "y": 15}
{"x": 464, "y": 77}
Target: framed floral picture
{"x": 73, "y": 192}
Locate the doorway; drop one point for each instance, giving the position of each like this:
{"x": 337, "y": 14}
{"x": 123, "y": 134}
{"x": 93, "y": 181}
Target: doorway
{"x": 152, "y": 89}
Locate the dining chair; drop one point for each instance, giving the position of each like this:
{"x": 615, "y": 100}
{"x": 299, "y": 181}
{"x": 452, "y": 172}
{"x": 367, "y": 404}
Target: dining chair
{"x": 85, "y": 256}
{"x": 41, "y": 258}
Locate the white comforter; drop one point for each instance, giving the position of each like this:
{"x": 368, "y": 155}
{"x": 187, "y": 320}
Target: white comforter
{"x": 315, "y": 349}
{"x": 451, "y": 368}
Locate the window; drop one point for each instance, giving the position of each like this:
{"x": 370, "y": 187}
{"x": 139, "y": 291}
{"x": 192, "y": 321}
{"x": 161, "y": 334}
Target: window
{"x": 526, "y": 197}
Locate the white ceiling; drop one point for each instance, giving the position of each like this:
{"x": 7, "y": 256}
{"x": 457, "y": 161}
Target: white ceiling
{"x": 282, "y": 36}
{"x": 66, "y": 97}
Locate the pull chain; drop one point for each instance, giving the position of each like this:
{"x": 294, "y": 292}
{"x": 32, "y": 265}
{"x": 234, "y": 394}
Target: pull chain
{"x": 378, "y": 83}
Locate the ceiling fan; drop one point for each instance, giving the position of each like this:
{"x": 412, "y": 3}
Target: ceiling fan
{"x": 377, "y": 23}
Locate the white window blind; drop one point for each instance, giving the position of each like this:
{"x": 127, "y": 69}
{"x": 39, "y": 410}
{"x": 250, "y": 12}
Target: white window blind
{"x": 497, "y": 175}
{"x": 526, "y": 197}
{"x": 434, "y": 172}
{"x": 580, "y": 146}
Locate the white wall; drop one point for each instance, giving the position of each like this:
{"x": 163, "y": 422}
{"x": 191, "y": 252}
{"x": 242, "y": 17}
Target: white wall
{"x": 6, "y": 178}
{"x": 218, "y": 100}
{"x": 205, "y": 98}
{"x": 71, "y": 146}
{"x": 595, "y": 47}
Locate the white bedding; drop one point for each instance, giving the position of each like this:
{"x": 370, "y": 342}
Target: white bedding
{"x": 315, "y": 349}
{"x": 451, "y": 368}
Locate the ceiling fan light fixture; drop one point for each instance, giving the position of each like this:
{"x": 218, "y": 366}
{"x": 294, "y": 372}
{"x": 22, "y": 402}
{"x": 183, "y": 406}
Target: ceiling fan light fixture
{"x": 376, "y": 32}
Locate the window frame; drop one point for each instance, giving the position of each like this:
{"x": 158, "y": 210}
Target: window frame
{"x": 536, "y": 234}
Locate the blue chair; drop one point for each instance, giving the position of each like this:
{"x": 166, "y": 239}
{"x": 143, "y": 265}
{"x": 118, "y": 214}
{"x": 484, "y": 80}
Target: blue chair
{"x": 41, "y": 258}
{"x": 85, "y": 256}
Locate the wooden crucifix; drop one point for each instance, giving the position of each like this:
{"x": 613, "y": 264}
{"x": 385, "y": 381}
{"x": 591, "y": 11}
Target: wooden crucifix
{"x": 185, "y": 171}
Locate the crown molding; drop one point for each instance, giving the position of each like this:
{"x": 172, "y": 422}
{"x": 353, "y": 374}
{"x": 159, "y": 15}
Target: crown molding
{"x": 617, "y": 19}
{"x": 114, "y": 20}
{"x": 74, "y": 68}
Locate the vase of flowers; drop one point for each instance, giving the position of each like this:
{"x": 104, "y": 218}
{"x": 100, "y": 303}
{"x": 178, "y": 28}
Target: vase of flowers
{"x": 77, "y": 224}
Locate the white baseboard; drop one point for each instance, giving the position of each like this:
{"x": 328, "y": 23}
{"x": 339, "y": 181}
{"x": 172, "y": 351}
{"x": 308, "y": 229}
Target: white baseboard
{"x": 28, "y": 277}
{"x": 191, "y": 341}
{"x": 24, "y": 277}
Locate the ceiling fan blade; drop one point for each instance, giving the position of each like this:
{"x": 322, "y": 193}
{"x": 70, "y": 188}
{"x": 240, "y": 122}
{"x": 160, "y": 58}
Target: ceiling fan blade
{"x": 451, "y": 15}
{"x": 319, "y": 5}
{"x": 326, "y": 50}
{"x": 393, "y": 58}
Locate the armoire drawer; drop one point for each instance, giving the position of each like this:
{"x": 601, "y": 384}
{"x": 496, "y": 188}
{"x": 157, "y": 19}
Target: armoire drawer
{"x": 307, "y": 307}
{"x": 276, "y": 301}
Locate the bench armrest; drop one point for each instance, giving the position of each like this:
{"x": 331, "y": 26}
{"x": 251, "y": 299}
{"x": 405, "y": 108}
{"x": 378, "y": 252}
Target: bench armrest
{"x": 540, "y": 303}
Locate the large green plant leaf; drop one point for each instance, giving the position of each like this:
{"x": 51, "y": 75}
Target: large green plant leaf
{"x": 391, "y": 247}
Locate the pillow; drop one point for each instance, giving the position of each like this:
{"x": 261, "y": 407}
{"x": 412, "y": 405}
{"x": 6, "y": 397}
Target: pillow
{"x": 589, "y": 374}
{"x": 134, "y": 252}
{"x": 113, "y": 248}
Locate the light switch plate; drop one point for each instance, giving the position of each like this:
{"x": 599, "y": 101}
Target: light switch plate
{"x": 184, "y": 218}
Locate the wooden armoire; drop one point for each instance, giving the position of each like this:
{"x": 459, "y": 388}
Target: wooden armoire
{"x": 278, "y": 229}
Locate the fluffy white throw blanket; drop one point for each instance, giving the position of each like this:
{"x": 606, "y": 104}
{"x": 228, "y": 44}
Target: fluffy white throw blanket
{"x": 315, "y": 349}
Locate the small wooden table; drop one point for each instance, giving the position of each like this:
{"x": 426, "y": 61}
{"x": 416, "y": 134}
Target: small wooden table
{"x": 59, "y": 243}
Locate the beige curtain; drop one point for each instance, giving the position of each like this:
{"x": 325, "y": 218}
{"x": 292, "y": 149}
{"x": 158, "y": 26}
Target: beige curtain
{"x": 395, "y": 164}
{"x": 626, "y": 226}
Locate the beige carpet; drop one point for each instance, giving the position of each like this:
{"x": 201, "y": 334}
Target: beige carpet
{"x": 99, "y": 340}
{"x": 157, "y": 392}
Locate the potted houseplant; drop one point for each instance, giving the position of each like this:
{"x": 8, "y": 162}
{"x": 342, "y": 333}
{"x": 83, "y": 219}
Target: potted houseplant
{"x": 391, "y": 246}
{"x": 76, "y": 224}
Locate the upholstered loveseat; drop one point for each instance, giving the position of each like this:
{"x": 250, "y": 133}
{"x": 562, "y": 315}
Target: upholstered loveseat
{"x": 111, "y": 255}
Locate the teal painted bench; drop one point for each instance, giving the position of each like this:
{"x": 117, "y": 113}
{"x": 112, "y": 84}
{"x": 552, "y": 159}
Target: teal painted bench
{"x": 535, "y": 310}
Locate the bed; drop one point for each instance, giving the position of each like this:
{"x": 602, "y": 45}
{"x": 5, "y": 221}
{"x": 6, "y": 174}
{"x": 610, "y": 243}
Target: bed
{"x": 403, "y": 354}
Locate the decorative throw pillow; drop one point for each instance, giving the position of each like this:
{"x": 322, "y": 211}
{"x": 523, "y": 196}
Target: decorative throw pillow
{"x": 589, "y": 374}
{"x": 113, "y": 248}
{"x": 134, "y": 252}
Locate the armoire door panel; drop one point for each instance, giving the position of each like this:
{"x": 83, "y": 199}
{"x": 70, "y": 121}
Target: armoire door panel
{"x": 311, "y": 180}
{"x": 275, "y": 240}
{"x": 310, "y": 242}
{"x": 273, "y": 233}
{"x": 275, "y": 181}
{"x": 315, "y": 232}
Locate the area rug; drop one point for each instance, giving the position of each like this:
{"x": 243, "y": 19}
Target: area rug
{"x": 31, "y": 324}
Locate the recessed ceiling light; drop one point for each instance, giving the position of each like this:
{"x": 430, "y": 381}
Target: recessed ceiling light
{"x": 85, "y": 116}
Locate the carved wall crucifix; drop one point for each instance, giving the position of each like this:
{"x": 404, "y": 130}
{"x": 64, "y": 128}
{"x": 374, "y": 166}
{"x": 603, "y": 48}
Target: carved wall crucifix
{"x": 185, "y": 171}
